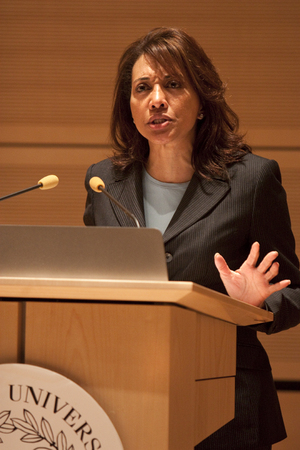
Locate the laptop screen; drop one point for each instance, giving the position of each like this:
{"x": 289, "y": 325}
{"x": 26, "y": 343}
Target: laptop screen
{"x": 101, "y": 253}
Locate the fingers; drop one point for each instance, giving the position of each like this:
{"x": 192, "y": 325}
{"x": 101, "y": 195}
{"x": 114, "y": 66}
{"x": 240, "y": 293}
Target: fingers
{"x": 267, "y": 262}
{"x": 273, "y": 272}
{"x": 278, "y": 286}
{"x": 268, "y": 268}
{"x": 253, "y": 255}
{"x": 267, "y": 265}
{"x": 221, "y": 265}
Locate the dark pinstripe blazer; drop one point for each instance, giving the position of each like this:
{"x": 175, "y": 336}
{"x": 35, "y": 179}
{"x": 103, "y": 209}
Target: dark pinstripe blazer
{"x": 225, "y": 217}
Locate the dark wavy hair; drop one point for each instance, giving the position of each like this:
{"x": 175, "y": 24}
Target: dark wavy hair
{"x": 217, "y": 144}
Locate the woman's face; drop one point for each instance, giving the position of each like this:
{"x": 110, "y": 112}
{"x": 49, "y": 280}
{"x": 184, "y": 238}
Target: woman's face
{"x": 164, "y": 108}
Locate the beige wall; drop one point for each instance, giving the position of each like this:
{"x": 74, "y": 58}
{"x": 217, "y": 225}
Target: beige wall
{"x": 58, "y": 63}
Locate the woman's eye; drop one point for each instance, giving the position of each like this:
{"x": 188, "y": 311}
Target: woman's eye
{"x": 141, "y": 88}
{"x": 174, "y": 84}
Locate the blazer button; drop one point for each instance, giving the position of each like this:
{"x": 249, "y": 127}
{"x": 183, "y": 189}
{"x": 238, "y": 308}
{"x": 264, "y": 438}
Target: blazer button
{"x": 169, "y": 257}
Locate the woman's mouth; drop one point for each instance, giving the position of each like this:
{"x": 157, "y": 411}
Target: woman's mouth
{"x": 159, "y": 122}
{"x": 156, "y": 121}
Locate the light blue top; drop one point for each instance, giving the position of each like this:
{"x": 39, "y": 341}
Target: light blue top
{"x": 160, "y": 201}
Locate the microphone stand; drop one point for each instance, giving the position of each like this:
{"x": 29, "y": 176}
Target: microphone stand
{"x": 21, "y": 192}
{"x": 101, "y": 188}
{"x": 48, "y": 182}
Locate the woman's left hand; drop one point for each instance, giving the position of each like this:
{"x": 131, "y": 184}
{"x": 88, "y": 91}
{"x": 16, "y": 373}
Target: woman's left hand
{"x": 249, "y": 283}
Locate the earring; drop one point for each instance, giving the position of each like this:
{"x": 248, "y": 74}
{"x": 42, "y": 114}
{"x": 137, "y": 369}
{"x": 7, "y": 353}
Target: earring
{"x": 200, "y": 117}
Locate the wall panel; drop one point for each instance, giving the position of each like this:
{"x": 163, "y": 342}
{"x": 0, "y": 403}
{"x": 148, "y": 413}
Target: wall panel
{"x": 58, "y": 58}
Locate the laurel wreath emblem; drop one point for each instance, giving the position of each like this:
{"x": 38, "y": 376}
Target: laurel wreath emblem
{"x": 32, "y": 433}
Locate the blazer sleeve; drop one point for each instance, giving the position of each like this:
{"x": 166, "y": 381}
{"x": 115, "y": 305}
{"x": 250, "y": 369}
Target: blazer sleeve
{"x": 271, "y": 227}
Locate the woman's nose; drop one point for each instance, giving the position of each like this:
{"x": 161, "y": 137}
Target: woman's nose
{"x": 157, "y": 99}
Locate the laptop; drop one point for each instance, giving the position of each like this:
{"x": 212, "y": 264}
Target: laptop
{"x": 98, "y": 253}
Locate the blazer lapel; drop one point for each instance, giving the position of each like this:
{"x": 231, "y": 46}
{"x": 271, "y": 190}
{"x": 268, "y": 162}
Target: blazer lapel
{"x": 200, "y": 197}
{"x": 129, "y": 192}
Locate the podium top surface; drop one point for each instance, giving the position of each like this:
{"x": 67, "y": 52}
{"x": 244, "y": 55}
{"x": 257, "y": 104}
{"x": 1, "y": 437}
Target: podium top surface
{"x": 181, "y": 293}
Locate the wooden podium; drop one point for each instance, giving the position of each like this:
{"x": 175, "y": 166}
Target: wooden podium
{"x": 159, "y": 357}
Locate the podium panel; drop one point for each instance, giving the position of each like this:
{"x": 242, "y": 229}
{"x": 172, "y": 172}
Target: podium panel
{"x": 218, "y": 339}
{"x": 10, "y": 337}
{"x": 138, "y": 361}
{"x": 214, "y": 398}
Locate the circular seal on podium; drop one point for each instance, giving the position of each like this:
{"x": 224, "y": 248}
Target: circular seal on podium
{"x": 43, "y": 410}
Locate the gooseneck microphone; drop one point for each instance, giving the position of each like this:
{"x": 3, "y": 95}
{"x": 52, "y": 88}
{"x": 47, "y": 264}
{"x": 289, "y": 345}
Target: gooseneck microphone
{"x": 48, "y": 182}
{"x": 98, "y": 186}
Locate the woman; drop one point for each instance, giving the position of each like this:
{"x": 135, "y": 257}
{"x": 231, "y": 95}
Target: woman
{"x": 180, "y": 165}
